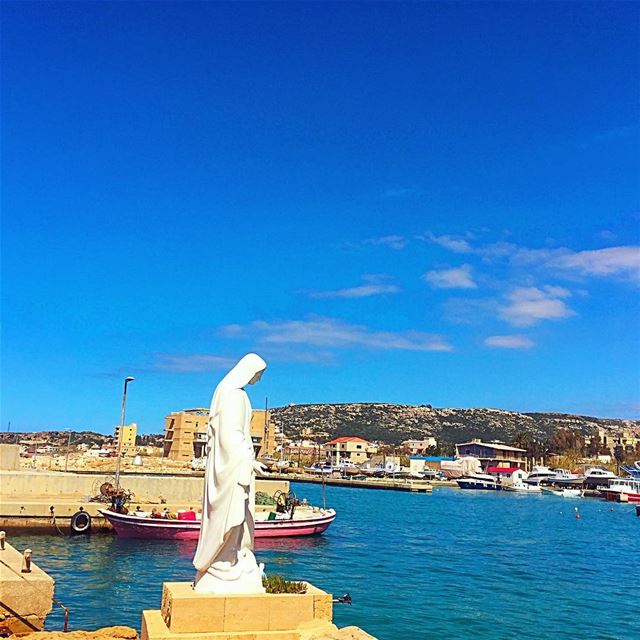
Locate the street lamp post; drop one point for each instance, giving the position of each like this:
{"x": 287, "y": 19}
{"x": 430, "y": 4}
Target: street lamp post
{"x": 66, "y": 458}
{"x": 127, "y": 380}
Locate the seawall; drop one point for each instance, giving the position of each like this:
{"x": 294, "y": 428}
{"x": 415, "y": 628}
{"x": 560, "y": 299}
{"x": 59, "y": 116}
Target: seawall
{"x": 27, "y": 497}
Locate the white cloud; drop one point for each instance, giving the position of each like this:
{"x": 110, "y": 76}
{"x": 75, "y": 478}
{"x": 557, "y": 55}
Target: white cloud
{"x": 509, "y": 342}
{"x": 393, "y": 242}
{"x": 455, "y": 278}
{"x": 191, "y": 362}
{"x": 557, "y": 292}
{"x": 332, "y": 333}
{"x": 612, "y": 261}
{"x": 529, "y": 305}
{"x": 452, "y": 243}
{"x": 375, "y": 285}
{"x": 621, "y": 262}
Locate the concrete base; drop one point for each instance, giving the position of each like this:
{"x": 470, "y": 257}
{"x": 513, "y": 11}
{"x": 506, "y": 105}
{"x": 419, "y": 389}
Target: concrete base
{"x": 25, "y": 598}
{"x": 187, "y": 615}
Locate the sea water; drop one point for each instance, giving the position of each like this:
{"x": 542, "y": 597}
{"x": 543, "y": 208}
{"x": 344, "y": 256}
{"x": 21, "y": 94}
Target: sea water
{"x": 461, "y": 565}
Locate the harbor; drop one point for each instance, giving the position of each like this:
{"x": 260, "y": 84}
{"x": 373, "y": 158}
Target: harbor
{"x": 320, "y": 320}
{"x": 393, "y": 552}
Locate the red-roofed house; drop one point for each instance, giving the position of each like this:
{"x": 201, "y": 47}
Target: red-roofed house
{"x": 352, "y": 448}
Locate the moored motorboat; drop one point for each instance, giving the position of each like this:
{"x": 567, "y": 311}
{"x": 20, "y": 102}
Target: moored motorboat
{"x": 597, "y": 478}
{"x": 521, "y": 487}
{"x": 305, "y": 521}
{"x": 323, "y": 470}
{"x": 539, "y": 474}
{"x": 562, "y": 493}
{"x": 479, "y": 481}
{"x": 622, "y": 490}
{"x": 633, "y": 469}
{"x": 564, "y": 478}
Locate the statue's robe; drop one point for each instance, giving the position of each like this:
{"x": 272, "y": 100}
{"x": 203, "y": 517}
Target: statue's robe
{"x": 226, "y": 536}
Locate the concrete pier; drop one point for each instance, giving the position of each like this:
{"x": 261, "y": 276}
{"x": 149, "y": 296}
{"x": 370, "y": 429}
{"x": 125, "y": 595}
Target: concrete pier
{"x": 26, "y": 597}
{"x": 411, "y": 485}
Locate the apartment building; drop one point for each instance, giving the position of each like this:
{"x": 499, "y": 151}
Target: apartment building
{"x": 493, "y": 454}
{"x": 125, "y": 437}
{"x": 349, "y": 448}
{"x": 185, "y": 434}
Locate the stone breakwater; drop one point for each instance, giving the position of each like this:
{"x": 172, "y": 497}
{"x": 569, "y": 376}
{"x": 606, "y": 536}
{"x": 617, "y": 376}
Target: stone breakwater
{"x": 127, "y": 633}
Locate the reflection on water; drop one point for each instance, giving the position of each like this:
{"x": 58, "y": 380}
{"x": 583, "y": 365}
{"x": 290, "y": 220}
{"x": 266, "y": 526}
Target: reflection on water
{"x": 452, "y": 564}
{"x": 187, "y": 548}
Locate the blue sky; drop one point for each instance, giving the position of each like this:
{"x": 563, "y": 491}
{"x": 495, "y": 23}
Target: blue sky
{"x": 414, "y": 203}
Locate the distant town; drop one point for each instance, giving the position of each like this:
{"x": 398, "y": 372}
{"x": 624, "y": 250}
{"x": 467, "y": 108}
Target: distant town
{"x": 570, "y": 442}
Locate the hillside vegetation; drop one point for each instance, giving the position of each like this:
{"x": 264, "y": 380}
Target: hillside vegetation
{"x": 394, "y": 423}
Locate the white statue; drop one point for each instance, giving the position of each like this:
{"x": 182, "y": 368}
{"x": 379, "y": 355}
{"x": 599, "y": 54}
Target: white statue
{"x": 224, "y": 557}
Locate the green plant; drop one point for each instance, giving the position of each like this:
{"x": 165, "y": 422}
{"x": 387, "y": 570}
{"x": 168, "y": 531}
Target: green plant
{"x": 277, "y": 584}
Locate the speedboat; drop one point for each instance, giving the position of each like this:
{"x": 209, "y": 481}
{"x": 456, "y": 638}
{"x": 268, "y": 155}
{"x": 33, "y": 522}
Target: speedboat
{"x": 539, "y": 474}
{"x": 323, "y": 470}
{"x": 597, "y": 477}
{"x": 563, "y": 477}
{"x": 521, "y": 487}
{"x": 622, "y": 490}
{"x": 347, "y": 468}
{"x": 303, "y": 520}
{"x": 479, "y": 481}
{"x": 373, "y": 472}
{"x": 425, "y": 474}
{"x": 562, "y": 493}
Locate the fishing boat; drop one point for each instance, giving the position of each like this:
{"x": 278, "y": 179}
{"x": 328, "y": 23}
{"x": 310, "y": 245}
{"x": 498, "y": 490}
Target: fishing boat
{"x": 303, "y": 521}
{"x": 479, "y": 481}
{"x": 622, "y": 490}
{"x": 562, "y": 493}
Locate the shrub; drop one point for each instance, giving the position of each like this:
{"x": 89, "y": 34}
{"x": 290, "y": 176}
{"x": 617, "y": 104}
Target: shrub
{"x": 277, "y": 584}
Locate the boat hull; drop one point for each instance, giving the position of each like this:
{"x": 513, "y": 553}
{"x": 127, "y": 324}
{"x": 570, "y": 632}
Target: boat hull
{"x": 478, "y": 485}
{"x": 562, "y": 493}
{"x": 616, "y": 496}
{"x": 161, "y": 529}
{"x": 525, "y": 488}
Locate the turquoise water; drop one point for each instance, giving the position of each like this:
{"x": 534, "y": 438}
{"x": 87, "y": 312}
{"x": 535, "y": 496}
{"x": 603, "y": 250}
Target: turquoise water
{"x": 454, "y": 564}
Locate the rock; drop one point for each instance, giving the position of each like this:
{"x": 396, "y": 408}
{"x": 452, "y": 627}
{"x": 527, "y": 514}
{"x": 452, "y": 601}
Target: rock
{"x": 346, "y": 633}
{"x": 106, "y": 633}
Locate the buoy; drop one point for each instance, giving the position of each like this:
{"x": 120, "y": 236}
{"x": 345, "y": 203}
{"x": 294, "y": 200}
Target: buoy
{"x": 80, "y": 522}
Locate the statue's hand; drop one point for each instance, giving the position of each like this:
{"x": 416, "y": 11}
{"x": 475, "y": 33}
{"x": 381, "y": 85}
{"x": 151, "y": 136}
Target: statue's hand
{"x": 260, "y": 468}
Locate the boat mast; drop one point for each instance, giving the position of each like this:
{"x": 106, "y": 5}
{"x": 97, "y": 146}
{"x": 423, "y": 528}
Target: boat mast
{"x": 265, "y": 447}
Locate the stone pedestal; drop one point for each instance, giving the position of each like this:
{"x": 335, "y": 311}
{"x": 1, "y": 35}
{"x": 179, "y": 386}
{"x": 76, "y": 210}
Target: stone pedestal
{"x": 187, "y": 615}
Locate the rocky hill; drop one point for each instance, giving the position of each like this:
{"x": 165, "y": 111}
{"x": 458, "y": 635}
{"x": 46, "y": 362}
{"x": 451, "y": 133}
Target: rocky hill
{"x": 394, "y": 423}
